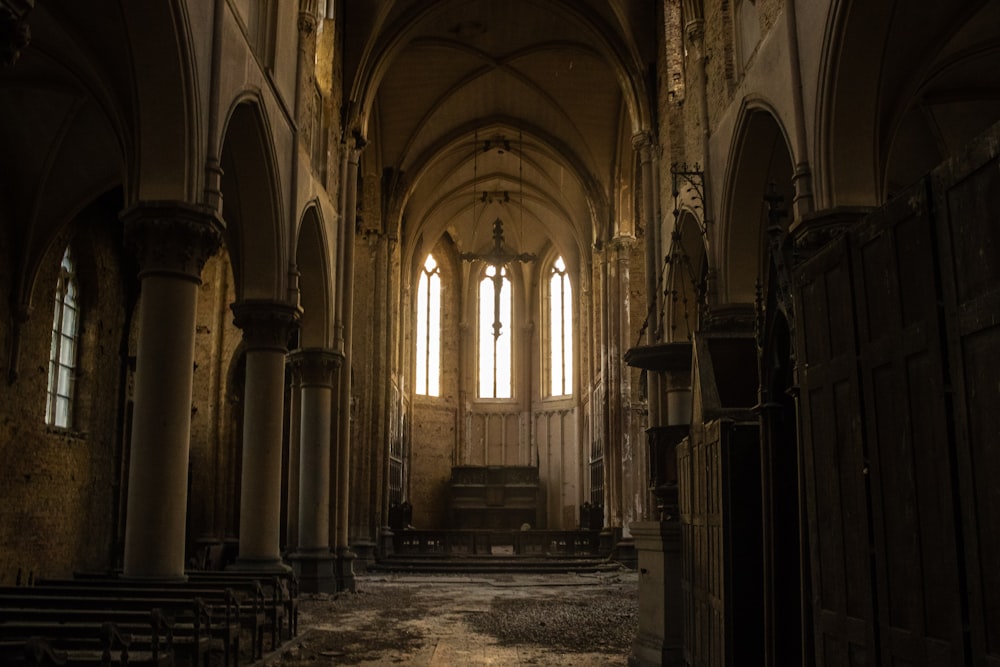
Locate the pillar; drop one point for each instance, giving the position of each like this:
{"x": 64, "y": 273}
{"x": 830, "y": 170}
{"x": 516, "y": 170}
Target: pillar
{"x": 312, "y": 560}
{"x": 172, "y": 241}
{"x": 659, "y": 641}
{"x": 644, "y": 147}
{"x": 266, "y": 327}
{"x": 294, "y": 436}
{"x": 346, "y": 557}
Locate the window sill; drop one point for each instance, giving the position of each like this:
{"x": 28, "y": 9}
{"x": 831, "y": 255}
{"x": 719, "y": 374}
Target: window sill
{"x": 68, "y": 433}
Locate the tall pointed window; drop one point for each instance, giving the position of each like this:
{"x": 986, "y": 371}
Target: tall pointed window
{"x": 62, "y": 354}
{"x": 428, "y": 375}
{"x": 560, "y": 330}
{"x": 494, "y": 334}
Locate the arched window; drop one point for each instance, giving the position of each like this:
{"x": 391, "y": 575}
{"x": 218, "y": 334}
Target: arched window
{"x": 62, "y": 355}
{"x": 428, "y": 375}
{"x": 495, "y": 334}
{"x": 560, "y": 330}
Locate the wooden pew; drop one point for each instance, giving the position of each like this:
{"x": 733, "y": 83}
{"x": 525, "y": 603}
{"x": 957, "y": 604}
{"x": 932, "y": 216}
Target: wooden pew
{"x": 283, "y": 589}
{"x": 40, "y": 639}
{"x": 229, "y": 608}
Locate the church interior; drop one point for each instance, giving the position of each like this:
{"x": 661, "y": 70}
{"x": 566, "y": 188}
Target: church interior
{"x": 710, "y": 288}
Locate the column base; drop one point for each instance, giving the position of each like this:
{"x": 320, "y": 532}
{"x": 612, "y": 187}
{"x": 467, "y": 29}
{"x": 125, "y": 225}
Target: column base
{"x": 315, "y": 570}
{"x": 275, "y": 565}
{"x": 608, "y": 538}
{"x": 385, "y": 539}
{"x": 345, "y": 570}
{"x": 365, "y": 552}
{"x": 660, "y": 638}
{"x": 153, "y": 579}
{"x": 624, "y": 552}
{"x": 652, "y": 652}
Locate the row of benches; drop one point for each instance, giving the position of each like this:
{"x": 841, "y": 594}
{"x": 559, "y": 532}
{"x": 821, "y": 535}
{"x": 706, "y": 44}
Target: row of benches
{"x": 108, "y": 620}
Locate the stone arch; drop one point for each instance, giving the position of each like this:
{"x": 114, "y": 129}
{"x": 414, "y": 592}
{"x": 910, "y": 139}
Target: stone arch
{"x": 761, "y": 162}
{"x": 315, "y": 282}
{"x": 884, "y": 122}
{"x": 251, "y": 203}
{"x": 381, "y": 55}
{"x": 169, "y": 153}
{"x": 454, "y": 153}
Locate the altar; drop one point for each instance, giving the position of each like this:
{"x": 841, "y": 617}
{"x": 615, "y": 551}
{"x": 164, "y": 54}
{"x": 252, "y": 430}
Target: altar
{"x": 495, "y": 497}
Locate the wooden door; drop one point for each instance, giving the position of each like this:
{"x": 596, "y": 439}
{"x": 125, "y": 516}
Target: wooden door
{"x": 835, "y": 467}
{"x": 966, "y": 197}
{"x": 907, "y": 437}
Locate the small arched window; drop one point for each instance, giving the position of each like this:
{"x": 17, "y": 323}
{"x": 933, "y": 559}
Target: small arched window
{"x": 495, "y": 346}
{"x": 560, "y": 330}
{"x": 428, "y": 371}
{"x": 62, "y": 354}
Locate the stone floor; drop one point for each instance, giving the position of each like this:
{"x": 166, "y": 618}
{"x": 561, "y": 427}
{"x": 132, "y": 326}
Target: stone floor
{"x": 459, "y": 621}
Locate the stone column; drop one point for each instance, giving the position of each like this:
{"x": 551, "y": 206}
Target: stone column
{"x": 172, "y": 241}
{"x": 294, "y": 436}
{"x": 660, "y": 639}
{"x": 266, "y": 327}
{"x": 313, "y": 561}
{"x": 346, "y": 557}
{"x": 644, "y": 147}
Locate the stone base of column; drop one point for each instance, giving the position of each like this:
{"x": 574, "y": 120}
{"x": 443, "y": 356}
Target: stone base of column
{"x": 345, "y": 571}
{"x": 660, "y": 639}
{"x": 385, "y": 538}
{"x": 624, "y": 552}
{"x": 608, "y": 538}
{"x": 365, "y": 552}
{"x": 259, "y": 565}
{"x": 650, "y": 652}
{"x": 315, "y": 570}
{"x": 153, "y": 579}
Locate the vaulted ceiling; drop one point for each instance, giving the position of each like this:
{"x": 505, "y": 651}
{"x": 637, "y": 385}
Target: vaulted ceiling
{"x": 522, "y": 110}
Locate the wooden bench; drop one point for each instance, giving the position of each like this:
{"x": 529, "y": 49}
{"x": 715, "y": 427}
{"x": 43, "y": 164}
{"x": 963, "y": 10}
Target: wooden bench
{"x": 283, "y": 588}
{"x": 35, "y": 639}
{"x": 202, "y": 620}
{"x": 228, "y": 609}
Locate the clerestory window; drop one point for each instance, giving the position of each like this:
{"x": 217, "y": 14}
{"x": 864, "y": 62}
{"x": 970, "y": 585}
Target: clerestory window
{"x": 560, "y": 330}
{"x": 62, "y": 354}
{"x": 428, "y": 372}
{"x": 495, "y": 334}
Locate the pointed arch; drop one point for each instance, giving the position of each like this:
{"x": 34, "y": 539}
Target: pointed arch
{"x": 251, "y": 203}
{"x": 312, "y": 257}
{"x": 168, "y": 148}
{"x": 379, "y": 56}
{"x": 760, "y": 160}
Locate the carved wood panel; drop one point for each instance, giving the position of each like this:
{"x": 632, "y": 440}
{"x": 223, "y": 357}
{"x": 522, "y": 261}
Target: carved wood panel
{"x": 912, "y": 476}
{"x": 719, "y": 503}
{"x": 834, "y": 460}
{"x": 966, "y": 197}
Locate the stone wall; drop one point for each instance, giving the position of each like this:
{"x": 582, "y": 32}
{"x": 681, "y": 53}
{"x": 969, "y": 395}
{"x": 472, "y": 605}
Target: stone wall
{"x": 213, "y": 500}
{"x": 59, "y": 488}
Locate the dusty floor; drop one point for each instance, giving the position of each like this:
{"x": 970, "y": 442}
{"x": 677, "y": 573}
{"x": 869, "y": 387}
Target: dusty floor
{"x": 459, "y": 621}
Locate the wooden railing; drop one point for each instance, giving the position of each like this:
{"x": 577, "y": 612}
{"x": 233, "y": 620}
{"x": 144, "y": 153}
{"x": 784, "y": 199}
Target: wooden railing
{"x": 536, "y": 543}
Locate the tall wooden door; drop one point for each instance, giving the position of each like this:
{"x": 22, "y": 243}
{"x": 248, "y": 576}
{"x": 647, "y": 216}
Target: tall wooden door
{"x": 966, "y": 197}
{"x": 835, "y": 467}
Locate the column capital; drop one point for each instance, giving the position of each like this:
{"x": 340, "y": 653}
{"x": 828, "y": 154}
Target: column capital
{"x": 622, "y": 243}
{"x": 172, "y": 237}
{"x": 266, "y": 324}
{"x": 316, "y": 366}
{"x": 307, "y": 22}
{"x": 644, "y": 144}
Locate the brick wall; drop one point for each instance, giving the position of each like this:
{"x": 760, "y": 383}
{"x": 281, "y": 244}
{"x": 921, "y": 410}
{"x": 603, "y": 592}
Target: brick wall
{"x": 59, "y": 487}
